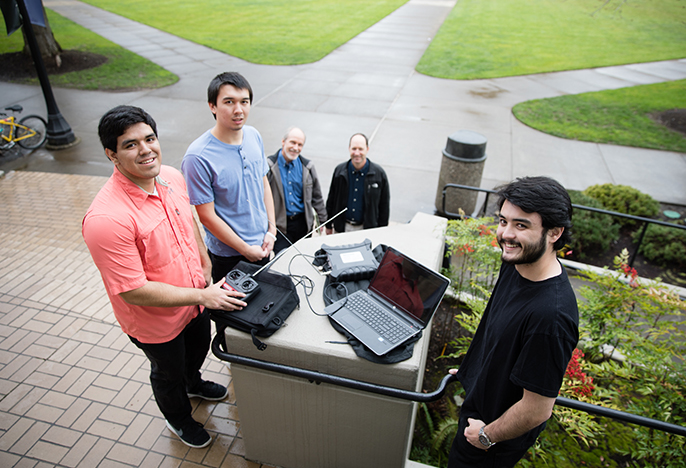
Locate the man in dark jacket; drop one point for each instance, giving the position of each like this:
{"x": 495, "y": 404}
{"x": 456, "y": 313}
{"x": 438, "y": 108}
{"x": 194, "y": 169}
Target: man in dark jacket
{"x": 362, "y": 187}
{"x": 296, "y": 190}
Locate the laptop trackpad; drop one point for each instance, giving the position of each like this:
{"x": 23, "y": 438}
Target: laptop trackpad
{"x": 350, "y": 321}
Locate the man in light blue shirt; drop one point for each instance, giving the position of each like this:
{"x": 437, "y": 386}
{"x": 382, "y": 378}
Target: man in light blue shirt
{"x": 226, "y": 174}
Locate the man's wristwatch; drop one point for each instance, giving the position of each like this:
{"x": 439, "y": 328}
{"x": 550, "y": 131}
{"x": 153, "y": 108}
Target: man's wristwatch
{"x": 483, "y": 438}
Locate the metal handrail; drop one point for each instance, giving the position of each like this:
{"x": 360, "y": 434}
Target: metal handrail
{"x": 319, "y": 377}
{"x": 621, "y": 416}
{"x": 218, "y": 343}
{"x": 482, "y": 212}
{"x": 466, "y": 187}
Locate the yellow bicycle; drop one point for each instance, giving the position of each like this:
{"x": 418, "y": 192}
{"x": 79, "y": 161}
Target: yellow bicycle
{"x": 29, "y": 132}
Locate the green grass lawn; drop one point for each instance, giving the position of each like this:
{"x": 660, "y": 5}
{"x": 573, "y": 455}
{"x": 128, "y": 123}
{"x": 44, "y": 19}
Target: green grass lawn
{"x": 496, "y": 38}
{"x": 272, "y": 32}
{"x": 620, "y": 117}
{"x": 123, "y": 69}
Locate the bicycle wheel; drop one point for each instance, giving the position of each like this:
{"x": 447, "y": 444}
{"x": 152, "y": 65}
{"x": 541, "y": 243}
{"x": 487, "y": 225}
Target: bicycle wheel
{"x": 5, "y": 130}
{"x": 38, "y": 125}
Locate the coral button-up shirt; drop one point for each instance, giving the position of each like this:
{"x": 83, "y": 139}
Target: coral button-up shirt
{"x": 135, "y": 237}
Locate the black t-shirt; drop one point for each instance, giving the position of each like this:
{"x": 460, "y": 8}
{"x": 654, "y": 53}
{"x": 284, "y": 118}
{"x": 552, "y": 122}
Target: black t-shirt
{"x": 524, "y": 341}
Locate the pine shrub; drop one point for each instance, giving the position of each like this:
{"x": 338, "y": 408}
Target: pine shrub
{"x": 592, "y": 232}
{"x": 624, "y": 199}
{"x": 665, "y": 246}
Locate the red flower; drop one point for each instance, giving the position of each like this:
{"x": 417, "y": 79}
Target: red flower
{"x": 484, "y": 230}
{"x": 580, "y": 383}
{"x": 465, "y": 248}
{"x": 631, "y": 273}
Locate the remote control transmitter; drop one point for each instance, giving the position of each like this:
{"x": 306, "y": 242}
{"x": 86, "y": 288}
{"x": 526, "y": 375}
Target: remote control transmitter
{"x": 237, "y": 280}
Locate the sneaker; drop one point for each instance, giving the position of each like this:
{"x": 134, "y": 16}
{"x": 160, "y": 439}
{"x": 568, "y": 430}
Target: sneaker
{"x": 209, "y": 391}
{"x": 192, "y": 434}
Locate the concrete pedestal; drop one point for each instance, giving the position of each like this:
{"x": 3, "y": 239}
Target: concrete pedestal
{"x": 293, "y": 423}
{"x": 463, "y": 162}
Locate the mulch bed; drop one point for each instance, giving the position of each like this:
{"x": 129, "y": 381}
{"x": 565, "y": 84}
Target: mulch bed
{"x": 644, "y": 267}
{"x": 16, "y": 66}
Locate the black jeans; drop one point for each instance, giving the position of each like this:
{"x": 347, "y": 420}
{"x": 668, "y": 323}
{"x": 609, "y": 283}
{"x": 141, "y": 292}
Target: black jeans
{"x": 175, "y": 368}
{"x": 296, "y": 230}
{"x": 222, "y": 265}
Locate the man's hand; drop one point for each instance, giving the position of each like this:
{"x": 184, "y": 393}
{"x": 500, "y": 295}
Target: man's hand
{"x": 471, "y": 432}
{"x": 329, "y": 231}
{"x": 255, "y": 253}
{"x": 268, "y": 243}
{"x": 216, "y": 297}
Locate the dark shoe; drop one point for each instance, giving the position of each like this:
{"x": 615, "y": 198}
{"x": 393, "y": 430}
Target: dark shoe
{"x": 192, "y": 434}
{"x": 209, "y": 391}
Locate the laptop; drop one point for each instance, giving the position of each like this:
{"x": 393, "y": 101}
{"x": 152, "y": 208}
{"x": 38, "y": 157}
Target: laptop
{"x": 402, "y": 297}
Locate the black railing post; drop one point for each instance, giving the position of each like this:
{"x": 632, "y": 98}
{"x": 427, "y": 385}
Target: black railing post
{"x": 485, "y": 207}
{"x": 638, "y": 247}
{"x": 465, "y": 187}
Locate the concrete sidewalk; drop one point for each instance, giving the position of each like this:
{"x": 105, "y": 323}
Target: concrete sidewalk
{"x": 367, "y": 85}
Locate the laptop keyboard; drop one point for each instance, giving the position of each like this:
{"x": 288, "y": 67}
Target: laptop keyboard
{"x": 390, "y": 328}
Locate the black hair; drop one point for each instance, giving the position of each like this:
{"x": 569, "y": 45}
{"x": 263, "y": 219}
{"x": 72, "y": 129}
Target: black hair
{"x": 116, "y": 121}
{"x": 544, "y": 196}
{"x": 362, "y": 135}
{"x": 234, "y": 79}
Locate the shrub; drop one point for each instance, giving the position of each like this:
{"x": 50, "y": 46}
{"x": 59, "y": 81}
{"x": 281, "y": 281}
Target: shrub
{"x": 624, "y": 199}
{"x": 472, "y": 242}
{"x": 592, "y": 232}
{"x": 644, "y": 321}
{"x": 664, "y": 245}
{"x": 475, "y": 256}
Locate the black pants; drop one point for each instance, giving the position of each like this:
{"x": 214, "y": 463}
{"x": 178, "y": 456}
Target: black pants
{"x": 222, "y": 265}
{"x": 297, "y": 228}
{"x": 175, "y": 368}
{"x": 465, "y": 455}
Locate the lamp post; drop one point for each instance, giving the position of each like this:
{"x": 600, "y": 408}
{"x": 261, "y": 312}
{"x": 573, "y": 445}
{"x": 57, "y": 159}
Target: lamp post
{"x": 59, "y": 132}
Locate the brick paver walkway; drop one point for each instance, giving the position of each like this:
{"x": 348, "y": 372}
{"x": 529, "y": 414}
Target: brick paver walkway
{"x": 74, "y": 391}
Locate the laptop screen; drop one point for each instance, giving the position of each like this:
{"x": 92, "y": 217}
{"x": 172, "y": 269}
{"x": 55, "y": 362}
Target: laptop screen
{"x": 408, "y": 285}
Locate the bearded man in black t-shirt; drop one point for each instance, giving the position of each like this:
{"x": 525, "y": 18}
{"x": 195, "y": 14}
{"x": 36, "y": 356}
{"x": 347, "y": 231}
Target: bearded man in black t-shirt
{"x": 514, "y": 367}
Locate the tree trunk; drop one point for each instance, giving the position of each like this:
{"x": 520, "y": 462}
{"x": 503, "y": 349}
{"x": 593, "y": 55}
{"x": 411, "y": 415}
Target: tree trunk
{"x": 49, "y": 48}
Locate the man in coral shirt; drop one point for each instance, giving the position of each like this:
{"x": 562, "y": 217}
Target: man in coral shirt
{"x": 144, "y": 240}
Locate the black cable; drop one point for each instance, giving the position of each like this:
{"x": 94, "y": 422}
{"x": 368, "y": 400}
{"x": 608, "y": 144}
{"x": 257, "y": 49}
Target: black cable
{"x": 308, "y": 286}
{"x": 337, "y": 284}
{"x": 306, "y": 282}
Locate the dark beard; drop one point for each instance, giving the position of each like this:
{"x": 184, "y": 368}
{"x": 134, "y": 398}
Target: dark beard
{"x": 531, "y": 253}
